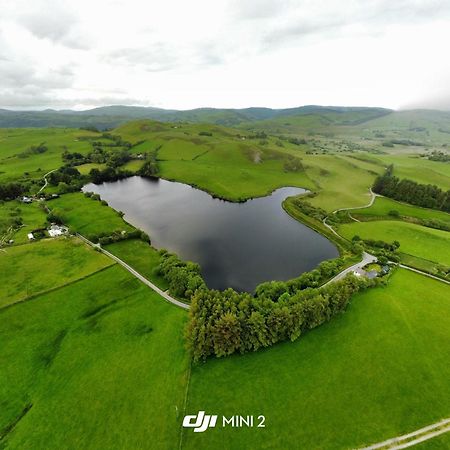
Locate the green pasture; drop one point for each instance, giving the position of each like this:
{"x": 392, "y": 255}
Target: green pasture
{"x": 416, "y": 240}
{"x": 32, "y": 215}
{"x": 86, "y": 215}
{"x": 96, "y": 364}
{"x": 377, "y": 371}
{"x": 29, "y": 269}
{"x": 15, "y": 163}
{"x": 142, "y": 257}
{"x": 383, "y": 206}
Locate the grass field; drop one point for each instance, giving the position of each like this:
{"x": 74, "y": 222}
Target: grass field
{"x": 98, "y": 363}
{"x": 223, "y": 164}
{"x": 14, "y": 143}
{"x": 379, "y": 370}
{"x": 142, "y": 257}
{"x": 416, "y": 240}
{"x": 27, "y": 270}
{"x": 87, "y": 216}
{"x": 84, "y": 169}
{"x": 382, "y": 206}
{"x": 32, "y": 215}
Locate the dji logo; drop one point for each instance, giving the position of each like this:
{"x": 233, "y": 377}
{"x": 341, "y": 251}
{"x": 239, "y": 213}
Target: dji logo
{"x": 201, "y": 422}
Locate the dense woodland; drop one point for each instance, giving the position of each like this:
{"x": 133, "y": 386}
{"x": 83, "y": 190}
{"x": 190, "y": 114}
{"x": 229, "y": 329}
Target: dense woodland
{"x": 425, "y": 195}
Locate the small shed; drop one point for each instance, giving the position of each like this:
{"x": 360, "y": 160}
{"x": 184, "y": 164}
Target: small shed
{"x": 30, "y": 236}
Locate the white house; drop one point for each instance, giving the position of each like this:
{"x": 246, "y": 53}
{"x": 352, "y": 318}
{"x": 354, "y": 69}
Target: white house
{"x": 30, "y": 236}
{"x": 57, "y": 230}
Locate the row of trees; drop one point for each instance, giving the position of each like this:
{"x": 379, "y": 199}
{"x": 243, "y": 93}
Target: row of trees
{"x": 425, "y": 195}
{"x": 222, "y": 323}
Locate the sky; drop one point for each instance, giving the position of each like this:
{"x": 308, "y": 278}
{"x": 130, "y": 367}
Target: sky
{"x": 181, "y": 54}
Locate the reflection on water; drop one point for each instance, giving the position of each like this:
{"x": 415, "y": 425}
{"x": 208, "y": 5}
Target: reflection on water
{"x": 237, "y": 245}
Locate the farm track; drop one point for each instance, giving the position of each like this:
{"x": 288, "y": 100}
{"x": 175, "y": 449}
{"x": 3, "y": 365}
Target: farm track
{"x": 413, "y": 438}
{"x": 45, "y": 181}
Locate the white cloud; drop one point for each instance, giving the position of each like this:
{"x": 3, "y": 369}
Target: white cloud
{"x": 226, "y": 53}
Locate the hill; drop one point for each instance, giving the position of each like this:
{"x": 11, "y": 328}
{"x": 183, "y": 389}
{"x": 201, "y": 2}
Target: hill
{"x": 112, "y": 116}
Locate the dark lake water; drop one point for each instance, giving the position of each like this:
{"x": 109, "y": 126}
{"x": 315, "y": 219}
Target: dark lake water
{"x": 237, "y": 245}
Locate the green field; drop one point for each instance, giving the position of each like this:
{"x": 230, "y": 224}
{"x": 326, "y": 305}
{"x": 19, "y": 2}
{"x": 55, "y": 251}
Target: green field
{"x": 30, "y": 269}
{"x": 379, "y": 370}
{"x": 92, "y": 358}
{"x": 416, "y": 240}
{"x": 383, "y": 205}
{"x": 15, "y": 162}
{"x": 32, "y": 215}
{"x": 142, "y": 257}
{"x": 87, "y": 216}
{"x": 98, "y": 363}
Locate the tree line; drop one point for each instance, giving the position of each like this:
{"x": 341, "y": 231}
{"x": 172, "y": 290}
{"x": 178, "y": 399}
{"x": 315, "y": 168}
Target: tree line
{"x": 224, "y": 322}
{"x": 424, "y": 195}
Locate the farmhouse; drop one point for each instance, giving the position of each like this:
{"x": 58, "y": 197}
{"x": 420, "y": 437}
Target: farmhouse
{"x": 57, "y": 230}
{"x": 26, "y": 200}
{"x": 30, "y": 236}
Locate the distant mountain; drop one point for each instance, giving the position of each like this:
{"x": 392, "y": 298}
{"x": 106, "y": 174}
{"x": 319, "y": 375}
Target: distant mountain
{"x": 111, "y": 116}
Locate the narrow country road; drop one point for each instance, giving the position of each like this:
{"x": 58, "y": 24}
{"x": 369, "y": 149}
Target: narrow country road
{"x": 144, "y": 280}
{"x": 367, "y": 259}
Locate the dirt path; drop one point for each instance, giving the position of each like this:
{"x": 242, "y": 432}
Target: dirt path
{"x": 46, "y": 182}
{"x": 413, "y": 438}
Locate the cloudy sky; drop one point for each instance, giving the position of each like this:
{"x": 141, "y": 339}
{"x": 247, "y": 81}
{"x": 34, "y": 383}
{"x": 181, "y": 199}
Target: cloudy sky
{"x": 224, "y": 53}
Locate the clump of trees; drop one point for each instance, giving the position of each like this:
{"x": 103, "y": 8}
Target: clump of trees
{"x": 222, "y": 323}
{"x": 293, "y": 164}
{"x": 99, "y": 176}
{"x": 33, "y": 150}
{"x": 439, "y": 156}
{"x": 184, "y": 277}
{"x": 119, "y": 235}
{"x": 306, "y": 208}
{"x": 425, "y": 195}
{"x": 10, "y": 191}
{"x": 384, "y": 251}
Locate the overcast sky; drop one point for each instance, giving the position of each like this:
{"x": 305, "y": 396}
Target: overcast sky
{"x": 185, "y": 54}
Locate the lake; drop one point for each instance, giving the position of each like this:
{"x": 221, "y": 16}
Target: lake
{"x": 238, "y": 245}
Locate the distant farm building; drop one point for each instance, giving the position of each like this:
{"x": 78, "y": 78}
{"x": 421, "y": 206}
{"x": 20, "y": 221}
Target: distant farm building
{"x": 26, "y": 200}
{"x": 30, "y": 236}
